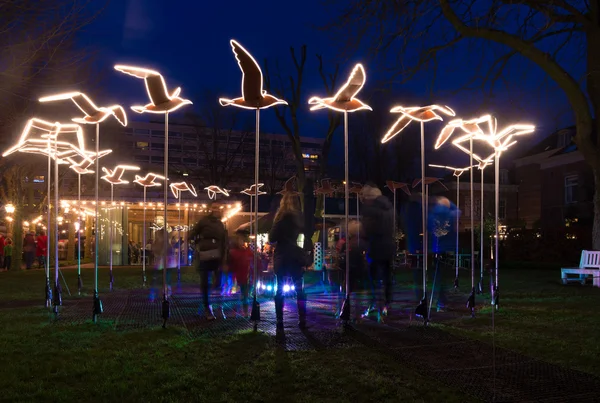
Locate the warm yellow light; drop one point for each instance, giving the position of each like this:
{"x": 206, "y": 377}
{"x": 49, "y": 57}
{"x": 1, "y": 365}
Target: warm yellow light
{"x": 9, "y": 208}
{"x": 26, "y": 223}
{"x": 344, "y": 100}
{"x": 178, "y": 187}
{"x": 251, "y": 191}
{"x": 160, "y": 99}
{"x": 253, "y": 94}
{"x": 417, "y": 114}
{"x": 231, "y": 213}
{"x": 114, "y": 177}
{"x": 149, "y": 180}
{"x": 93, "y": 114}
{"x": 213, "y": 190}
{"x": 103, "y": 203}
{"x": 9, "y": 219}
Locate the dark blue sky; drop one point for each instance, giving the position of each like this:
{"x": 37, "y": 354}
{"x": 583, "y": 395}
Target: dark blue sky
{"x": 187, "y": 41}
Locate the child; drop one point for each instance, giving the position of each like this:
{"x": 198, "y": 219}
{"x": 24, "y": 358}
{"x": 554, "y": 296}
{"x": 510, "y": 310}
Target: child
{"x": 8, "y": 251}
{"x": 239, "y": 265}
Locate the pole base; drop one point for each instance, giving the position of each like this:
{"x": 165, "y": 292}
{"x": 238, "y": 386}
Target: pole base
{"x": 79, "y": 284}
{"x": 422, "y": 310}
{"x": 166, "y": 310}
{"x": 480, "y": 286}
{"x": 48, "y": 293}
{"x": 255, "y": 313}
{"x": 345, "y": 310}
{"x": 56, "y": 298}
{"x": 144, "y": 280}
{"x": 112, "y": 281}
{"x": 471, "y": 302}
{"x": 456, "y": 283}
{"x": 98, "y": 309}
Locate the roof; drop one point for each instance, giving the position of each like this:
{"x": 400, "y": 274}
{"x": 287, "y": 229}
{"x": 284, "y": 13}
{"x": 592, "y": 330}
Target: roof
{"x": 551, "y": 143}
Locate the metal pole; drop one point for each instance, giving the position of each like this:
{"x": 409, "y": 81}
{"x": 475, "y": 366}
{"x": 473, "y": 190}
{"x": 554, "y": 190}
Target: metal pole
{"x": 345, "y": 314}
{"x": 166, "y": 310}
{"x": 255, "y": 314}
{"x": 324, "y": 229}
{"x": 481, "y": 230}
{"x": 97, "y": 303}
{"x": 144, "y": 241}
{"x": 358, "y": 217}
{"x": 497, "y": 203}
{"x": 472, "y": 218}
{"x": 179, "y": 243}
{"x": 48, "y": 288}
{"x": 57, "y": 301}
{"x": 424, "y": 212}
{"x": 110, "y": 237}
{"x": 79, "y": 283}
{"x": 251, "y": 217}
{"x": 457, "y": 228}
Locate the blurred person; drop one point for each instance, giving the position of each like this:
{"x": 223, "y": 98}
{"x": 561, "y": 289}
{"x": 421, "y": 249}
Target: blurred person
{"x": 210, "y": 252}
{"x": 29, "y": 248}
{"x": 158, "y": 248}
{"x": 41, "y": 250}
{"x": 289, "y": 259}
{"x": 8, "y": 251}
{"x": 240, "y": 258}
{"x": 378, "y": 223}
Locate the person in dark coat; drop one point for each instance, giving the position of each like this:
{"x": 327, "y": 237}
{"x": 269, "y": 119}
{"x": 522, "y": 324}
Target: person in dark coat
{"x": 378, "y": 224}
{"x": 289, "y": 259}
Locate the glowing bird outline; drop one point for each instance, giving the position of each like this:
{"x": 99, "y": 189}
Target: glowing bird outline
{"x": 326, "y": 188}
{"x": 288, "y": 188}
{"x": 393, "y": 186}
{"x": 428, "y": 180}
{"x": 92, "y": 114}
{"x": 251, "y": 191}
{"x": 344, "y": 100}
{"x": 115, "y": 176}
{"x": 213, "y": 190}
{"x": 253, "y": 94}
{"x": 160, "y": 99}
{"x": 179, "y": 187}
{"x": 457, "y": 171}
{"x": 149, "y": 180}
{"x": 415, "y": 113}
{"x": 82, "y": 167}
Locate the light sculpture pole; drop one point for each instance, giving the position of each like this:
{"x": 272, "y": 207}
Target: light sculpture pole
{"x": 255, "y": 98}
{"x": 356, "y": 189}
{"x": 251, "y": 192}
{"x": 114, "y": 177}
{"x": 147, "y": 181}
{"x": 177, "y": 189}
{"x": 82, "y": 168}
{"x": 457, "y": 172}
{"x": 93, "y": 115}
{"x": 344, "y": 101}
{"x": 161, "y": 102}
{"x": 421, "y": 114}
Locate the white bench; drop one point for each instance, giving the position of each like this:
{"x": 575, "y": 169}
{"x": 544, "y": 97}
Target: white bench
{"x": 589, "y": 265}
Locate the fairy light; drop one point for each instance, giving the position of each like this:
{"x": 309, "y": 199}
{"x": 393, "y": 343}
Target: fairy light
{"x": 344, "y": 100}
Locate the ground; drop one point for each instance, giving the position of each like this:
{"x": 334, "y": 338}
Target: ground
{"x": 74, "y": 359}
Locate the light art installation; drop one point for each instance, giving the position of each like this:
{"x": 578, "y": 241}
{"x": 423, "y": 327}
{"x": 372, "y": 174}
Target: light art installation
{"x": 177, "y": 189}
{"x": 93, "y": 115}
{"x": 419, "y": 114}
{"x": 252, "y": 192}
{"x": 457, "y": 172}
{"x": 344, "y": 101}
{"x": 288, "y": 188}
{"x": 147, "y": 181}
{"x": 481, "y": 167}
{"x": 253, "y": 97}
{"x": 325, "y": 190}
{"x": 114, "y": 177}
{"x": 161, "y": 102}
{"x": 214, "y": 190}
{"x": 393, "y": 186}
{"x": 82, "y": 168}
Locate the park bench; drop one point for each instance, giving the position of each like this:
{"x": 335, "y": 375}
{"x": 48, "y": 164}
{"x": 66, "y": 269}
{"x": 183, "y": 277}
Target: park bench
{"x": 589, "y": 265}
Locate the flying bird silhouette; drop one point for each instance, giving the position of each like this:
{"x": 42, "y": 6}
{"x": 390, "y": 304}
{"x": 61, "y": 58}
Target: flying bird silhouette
{"x": 82, "y": 167}
{"x": 288, "y": 188}
{"x": 415, "y": 113}
{"x": 326, "y": 188}
{"x": 253, "y": 94}
{"x": 92, "y": 113}
{"x": 251, "y": 191}
{"x": 160, "y": 99}
{"x": 398, "y": 185}
{"x": 180, "y": 187}
{"x": 213, "y": 190}
{"x": 457, "y": 171}
{"x": 343, "y": 100}
{"x": 114, "y": 177}
{"x": 428, "y": 181}
{"x": 149, "y": 180}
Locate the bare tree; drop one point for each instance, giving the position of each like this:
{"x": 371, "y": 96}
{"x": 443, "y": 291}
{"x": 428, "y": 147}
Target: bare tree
{"x": 539, "y": 31}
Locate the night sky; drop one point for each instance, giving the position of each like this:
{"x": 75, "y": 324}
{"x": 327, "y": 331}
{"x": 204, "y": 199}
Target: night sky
{"x": 188, "y": 42}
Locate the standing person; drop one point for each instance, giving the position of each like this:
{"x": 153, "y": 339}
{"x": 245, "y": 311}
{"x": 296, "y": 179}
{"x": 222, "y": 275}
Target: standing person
{"x": 210, "y": 252}
{"x": 2, "y": 242}
{"x": 378, "y": 223}
{"x": 8, "y": 251}
{"x": 158, "y": 248}
{"x": 289, "y": 259}
{"x": 41, "y": 249}
{"x": 29, "y": 250}
{"x": 239, "y": 265}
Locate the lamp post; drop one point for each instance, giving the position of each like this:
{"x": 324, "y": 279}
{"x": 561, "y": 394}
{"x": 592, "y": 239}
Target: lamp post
{"x": 344, "y": 101}
{"x": 162, "y": 102}
{"x": 177, "y": 189}
{"x": 421, "y": 114}
{"x": 255, "y": 98}
{"x": 148, "y": 181}
{"x": 457, "y": 172}
{"x": 114, "y": 177}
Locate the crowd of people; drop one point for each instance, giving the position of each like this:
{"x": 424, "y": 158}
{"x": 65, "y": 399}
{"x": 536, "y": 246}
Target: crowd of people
{"x": 35, "y": 247}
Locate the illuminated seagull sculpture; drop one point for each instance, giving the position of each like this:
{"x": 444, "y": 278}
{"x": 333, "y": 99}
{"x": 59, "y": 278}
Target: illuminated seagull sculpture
{"x": 457, "y": 172}
{"x": 147, "y": 181}
{"x": 288, "y": 187}
{"x": 252, "y": 192}
{"x": 419, "y": 114}
{"x": 213, "y": 190}
{"x": 345, "y": 101}
{"x": 160, "y": 102}
{"x": 114, "y": 177}
{"x": 177, "y": 189}
{"x": 256, "y": 98}
{"x": 93, "y": 115}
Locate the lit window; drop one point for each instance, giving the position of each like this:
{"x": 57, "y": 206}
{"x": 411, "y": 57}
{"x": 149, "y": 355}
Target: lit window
{"x": 142, "y": 145}
{"x": 39, "y": 179}
{"x": 571, "y": 183}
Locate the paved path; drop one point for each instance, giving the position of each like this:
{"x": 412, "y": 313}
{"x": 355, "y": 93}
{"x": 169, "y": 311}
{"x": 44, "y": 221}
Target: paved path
{"x": 460, "y": 363}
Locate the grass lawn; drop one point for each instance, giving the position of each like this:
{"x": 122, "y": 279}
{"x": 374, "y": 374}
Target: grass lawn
{"x": 46, "y": 362}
